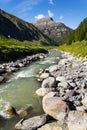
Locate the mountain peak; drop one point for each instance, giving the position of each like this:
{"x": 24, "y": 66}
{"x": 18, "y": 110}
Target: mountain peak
{"x": 54, "y": 30}
{"x": 44, "y": 20}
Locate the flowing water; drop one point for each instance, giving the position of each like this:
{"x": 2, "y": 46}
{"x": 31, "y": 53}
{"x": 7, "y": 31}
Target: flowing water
{"x": 19, "y": 90}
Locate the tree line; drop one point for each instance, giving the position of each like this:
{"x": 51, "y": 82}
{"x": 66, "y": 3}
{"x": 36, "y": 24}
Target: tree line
{"x": 77, "y": 35}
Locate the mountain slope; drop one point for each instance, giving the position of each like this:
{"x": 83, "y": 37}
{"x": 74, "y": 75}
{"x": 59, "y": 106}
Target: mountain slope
{"x": 79, "y": 34}
{"x": 55, "y": 31}
{"x": 13, "y": 27}
{"x": 76, "y": 42}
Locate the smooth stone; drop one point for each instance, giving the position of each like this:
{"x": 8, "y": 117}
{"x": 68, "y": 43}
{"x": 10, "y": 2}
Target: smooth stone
{"x": 77, "y": 120}
{"x": 62, "y": 85}
{"x": 53, "y": 68}
{"x": 40, "y": 71}
{"x": 21, "y": 65}
{"x": 1, "y": 79}
{"x": 26, "y": 111}
{"x": 55, "y": 107}
{"x": 31, "y": 123}
{"x": 61, "y": 78}
{"x": 44, "y": 75}
{"x": 51, "y": 126}
{"x": 12, "y": 69}
{"x": 43, "y": 91}
{"x": 49, "y": 83}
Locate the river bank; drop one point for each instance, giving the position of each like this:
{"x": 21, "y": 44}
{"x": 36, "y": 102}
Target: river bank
{"x": 64, "y": 92}
{"x": 14, "y": 66}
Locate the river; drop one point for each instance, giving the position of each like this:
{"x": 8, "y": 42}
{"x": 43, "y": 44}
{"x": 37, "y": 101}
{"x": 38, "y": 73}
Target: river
{"x": 19, "y": 90}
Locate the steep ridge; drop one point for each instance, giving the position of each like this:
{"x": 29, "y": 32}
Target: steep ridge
{"x": 55, "y": 31}
{"x": 13, "y": 27}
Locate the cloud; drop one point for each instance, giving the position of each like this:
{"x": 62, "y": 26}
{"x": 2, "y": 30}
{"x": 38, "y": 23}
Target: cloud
{"x": 25, "y": 6}
{"x": 6, "y": 1}
{"x": 51, "y": 2}
{"x": 39, "y": 16}
{"x": 61, "y": 17}
{"x": 50, "y": 14}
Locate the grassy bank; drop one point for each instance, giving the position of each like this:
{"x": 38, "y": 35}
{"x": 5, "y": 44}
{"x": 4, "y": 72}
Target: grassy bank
{"x": 78, "y": 49}
{"x": 11, "y": 49}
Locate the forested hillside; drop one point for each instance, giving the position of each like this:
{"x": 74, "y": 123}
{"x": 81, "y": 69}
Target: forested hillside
{"x": 79, "y": 34}
{"x": 76, "y": 42}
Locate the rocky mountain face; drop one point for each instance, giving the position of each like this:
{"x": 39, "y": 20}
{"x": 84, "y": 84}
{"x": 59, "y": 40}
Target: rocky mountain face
{"x": 55, "y": 31}
{"x": 13, "y": 27}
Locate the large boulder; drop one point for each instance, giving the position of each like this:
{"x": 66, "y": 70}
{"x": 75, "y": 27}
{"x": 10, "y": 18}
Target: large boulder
{"x": 31, "y": 123}
{"x": 49, "y": 82}
{"x": 77, "y": 120}
{"x": 55, "y": 107}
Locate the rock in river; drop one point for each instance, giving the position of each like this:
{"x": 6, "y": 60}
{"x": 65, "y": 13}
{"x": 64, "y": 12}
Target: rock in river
{"x": 1, "y": 79}
{"x": 50, "y": 126}
{"x": 31, "y": 123}
{"x": 49, "y": 82}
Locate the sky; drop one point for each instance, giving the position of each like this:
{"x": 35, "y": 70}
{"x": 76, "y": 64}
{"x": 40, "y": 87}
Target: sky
{"x": 69, "y": 12}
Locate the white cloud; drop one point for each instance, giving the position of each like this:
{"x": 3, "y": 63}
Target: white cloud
{"x": 50, "y": 14}
{"x": 6, "y": 1}
{"x": 23, "y": 7}
{"x": 61, "y": 17}
{"x": 51, "y": 2}
{"x": 39, "y": 16}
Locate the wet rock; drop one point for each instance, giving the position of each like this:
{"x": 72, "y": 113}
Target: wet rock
{"x": 21, "y": 65}
{"x": 42, "y": 56}
{"x": 40, "y": 71}
{"x": 2, "y": 71}
{"x": 12, "y": 69}
{"x": 26, "y": 111}
{"x": 31, "y": 123}
{"x": 55, "y": 107}
{"x": 44, "y": 76}
{"x": 49, "y": 82}
{"x": 44, "y": 91}
{"x": 1, "y": 79}
{"x": 77, "y": 120}
{"x": 51, "y": 126}
{"x": 10, "y": 112}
